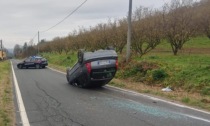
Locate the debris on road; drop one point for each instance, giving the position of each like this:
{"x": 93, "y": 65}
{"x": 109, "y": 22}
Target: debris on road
{"x": 167, "y": 89}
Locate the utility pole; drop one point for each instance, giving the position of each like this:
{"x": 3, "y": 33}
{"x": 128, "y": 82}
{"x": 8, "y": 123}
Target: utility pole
{"x": 38, "y": 43}
{"x": 1, "y": 48}
{"x": 128, "y": 53}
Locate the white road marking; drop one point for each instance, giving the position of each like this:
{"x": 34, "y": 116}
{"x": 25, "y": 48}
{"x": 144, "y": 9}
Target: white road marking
{"x": 56, "y": 70}
{"x": 197, "y": 118}
{"x": 24, "y": 117}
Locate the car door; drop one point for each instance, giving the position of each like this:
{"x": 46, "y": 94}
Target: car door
{"x": 28, "y": 62}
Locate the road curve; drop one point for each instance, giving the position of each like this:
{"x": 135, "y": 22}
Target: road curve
{"x": 50, "y": 101}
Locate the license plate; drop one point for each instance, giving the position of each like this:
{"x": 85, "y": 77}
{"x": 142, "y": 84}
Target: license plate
{"x": 103, "y": 62}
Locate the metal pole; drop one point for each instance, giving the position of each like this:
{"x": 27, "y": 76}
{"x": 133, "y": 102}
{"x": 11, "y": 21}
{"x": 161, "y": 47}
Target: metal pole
{"x": 1, "y": 49}
{"x": 128, "y": 53}
{"x": 38, "y": 43}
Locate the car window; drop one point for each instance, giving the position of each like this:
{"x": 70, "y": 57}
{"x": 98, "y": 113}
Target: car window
{"x": 36, "y": 59}
{"x": 28, "y": 60}
{"x": 33, "y": 59}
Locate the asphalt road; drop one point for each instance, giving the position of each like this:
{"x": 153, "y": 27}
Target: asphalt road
{"x": 50, "y": 101}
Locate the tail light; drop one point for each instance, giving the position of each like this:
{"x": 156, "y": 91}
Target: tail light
{"x": 116, "y": 64}
{"x": 88, "y": 66}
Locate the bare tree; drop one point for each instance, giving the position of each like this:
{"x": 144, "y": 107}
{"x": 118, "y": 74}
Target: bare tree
{"x": 17, "y": 51}
{"x": 57, "y": 45}
{"x": 204, "y": 17}
{"x": 117, "y": 34}
{"x": 147, "y": 32}
{"x": 178, "y": 24}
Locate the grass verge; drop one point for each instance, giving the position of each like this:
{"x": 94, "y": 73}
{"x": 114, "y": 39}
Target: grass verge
{"x": 6, "y": 99}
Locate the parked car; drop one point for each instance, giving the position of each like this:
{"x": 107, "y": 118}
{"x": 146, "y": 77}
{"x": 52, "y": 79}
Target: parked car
{"x": 33, "y": 61}
{"x": 93, "y": 69}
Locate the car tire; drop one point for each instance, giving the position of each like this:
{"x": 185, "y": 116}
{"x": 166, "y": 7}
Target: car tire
{"x": 80, "y": 55}
{"x": 37, "y": 66}
{"x": 67, "y": 76}
{"x": 20, "y": 66}
{"x": 68, "y": 79}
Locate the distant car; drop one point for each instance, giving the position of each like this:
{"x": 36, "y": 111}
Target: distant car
{"x": 93, "y": 69}
{"x": 33, "y": 61}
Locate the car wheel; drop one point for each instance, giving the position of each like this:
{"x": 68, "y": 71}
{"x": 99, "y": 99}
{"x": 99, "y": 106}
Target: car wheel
{"x": 80, "y": 55}
{"x": 37, "y": 66}
{"x": 43, "y": 67}
{"x": 20, "y": 66}
{"x": 67, "y": 76}
{"x": 68, "y": 79}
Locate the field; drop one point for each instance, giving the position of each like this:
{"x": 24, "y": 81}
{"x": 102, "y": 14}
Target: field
{"x": 6, "y": 99}
{"x": 188, "y": 73}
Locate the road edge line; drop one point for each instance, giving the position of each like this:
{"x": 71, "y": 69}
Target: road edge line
{"x": 56, "y": 70}
{"x": 23, "y": 114}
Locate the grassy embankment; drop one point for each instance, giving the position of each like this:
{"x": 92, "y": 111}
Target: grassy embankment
{"x": 6, "y": 100}
{"x": 188, "y": 73}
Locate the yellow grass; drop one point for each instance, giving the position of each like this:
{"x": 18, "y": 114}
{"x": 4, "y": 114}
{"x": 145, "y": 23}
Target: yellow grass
{"x": 7, "y": 117}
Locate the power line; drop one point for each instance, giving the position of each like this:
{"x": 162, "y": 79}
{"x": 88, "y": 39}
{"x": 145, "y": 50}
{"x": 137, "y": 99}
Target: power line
{"x": 66, "y": 16}
{"x": 61, "y": 20}
{"x": 33, "y": 38}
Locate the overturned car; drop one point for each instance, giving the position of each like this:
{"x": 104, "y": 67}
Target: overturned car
{"x": 93, "y": 69}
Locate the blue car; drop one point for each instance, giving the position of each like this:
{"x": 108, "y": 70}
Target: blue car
{"x": 33, "y": 62}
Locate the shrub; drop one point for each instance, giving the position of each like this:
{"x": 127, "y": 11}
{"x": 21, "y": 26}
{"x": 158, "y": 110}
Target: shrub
{"x": 186, "y": 100}
{"x": 159, "y": 74}
{"x": 205, "y": 91}
{"x": 136, "y": 70}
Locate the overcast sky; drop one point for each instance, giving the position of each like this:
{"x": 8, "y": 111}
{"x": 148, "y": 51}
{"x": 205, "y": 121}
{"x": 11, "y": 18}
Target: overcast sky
{"x": 22, "y": 19}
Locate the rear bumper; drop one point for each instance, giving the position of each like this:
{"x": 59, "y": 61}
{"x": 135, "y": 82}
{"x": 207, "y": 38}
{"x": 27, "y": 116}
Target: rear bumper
{"x": 103, "y": 73}
{"x": 101, "y": 77}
